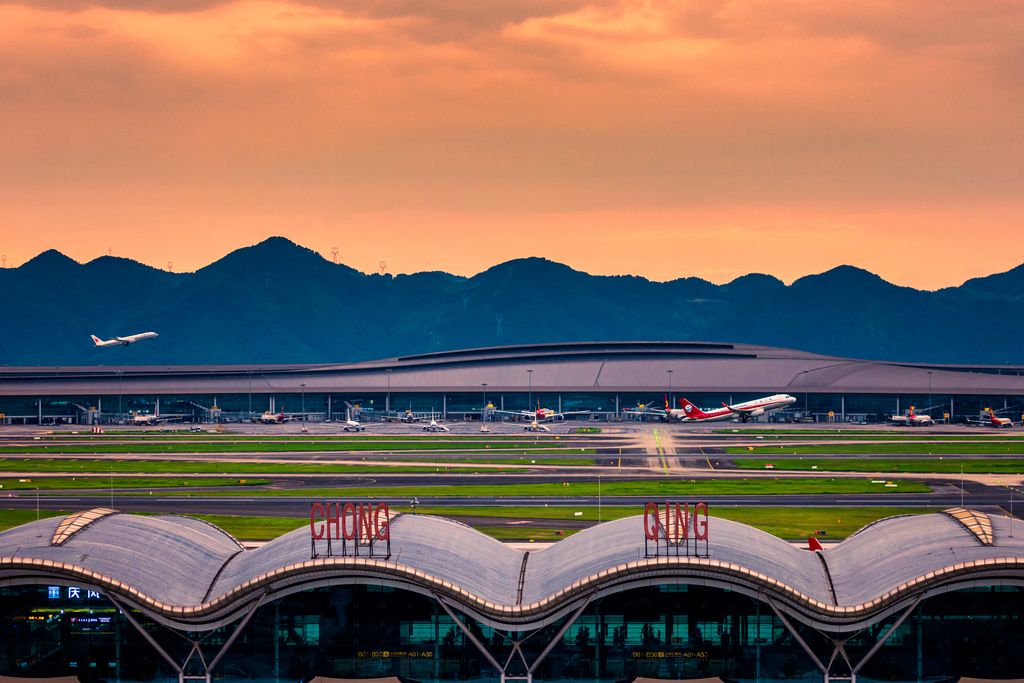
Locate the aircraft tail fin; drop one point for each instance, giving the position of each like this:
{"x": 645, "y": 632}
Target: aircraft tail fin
{"x": 95, "y": 340}
{"x": 690, "y": 409}
{"x": 813, "y": 544}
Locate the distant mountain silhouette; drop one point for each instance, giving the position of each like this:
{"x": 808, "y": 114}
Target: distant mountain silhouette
{"x": 278, "y": 302}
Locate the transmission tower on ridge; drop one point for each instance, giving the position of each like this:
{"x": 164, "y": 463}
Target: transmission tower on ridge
{"x": 3, "y": 259}
{"x": 383, "y": 267}
{"x": 334, "y": 253}
{"x": 110, "y": 251}
{"x": 170, "y": 266}
{"x": 499, "y": 317}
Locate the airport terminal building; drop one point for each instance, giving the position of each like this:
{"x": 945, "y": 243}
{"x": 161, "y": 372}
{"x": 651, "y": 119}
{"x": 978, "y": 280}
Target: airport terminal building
{"x": 606, "y": 378}
{"x": 115, "y": 597}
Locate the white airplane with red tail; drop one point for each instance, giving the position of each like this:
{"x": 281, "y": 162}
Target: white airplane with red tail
{"x": 744, "y": 411}
{"x": 912, "y": 419}
{"x": 538, "y": 416}
{"x": 996, "y": 421}
{"x": 123, "y": 341}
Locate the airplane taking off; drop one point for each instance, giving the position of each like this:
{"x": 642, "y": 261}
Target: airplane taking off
{"x": 123, "y": 341}
{"x": 912, "y": 419}
{"x": 744, "y": 411}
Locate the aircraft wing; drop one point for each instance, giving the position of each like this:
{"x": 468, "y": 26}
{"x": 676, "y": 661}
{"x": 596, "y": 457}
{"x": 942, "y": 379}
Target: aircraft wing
{"x": 740, "y": 411}
{"x": 646, "y": 411}
{"x": 513, "y": 413}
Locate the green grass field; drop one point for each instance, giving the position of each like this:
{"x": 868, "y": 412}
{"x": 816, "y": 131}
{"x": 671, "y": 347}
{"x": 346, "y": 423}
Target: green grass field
{"x": 101, "y": 482}
{"x": 781, "y": 522}
{"x": 970, "y": 465}
{"x": 211, "y": 467}
{"x": 244, "y": 467}
{"x": 759, "y": 486}
{"x": 285, "y": 447}
{"x": 905, "y": 434}
{"x": 884, "y": 449}
{"x": 515, "y": 533}
{"x": 232, "y": 436}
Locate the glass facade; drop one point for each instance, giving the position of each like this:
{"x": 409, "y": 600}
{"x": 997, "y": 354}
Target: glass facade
{"x": 363, "y": 631}
{"x": 199, "y": 407}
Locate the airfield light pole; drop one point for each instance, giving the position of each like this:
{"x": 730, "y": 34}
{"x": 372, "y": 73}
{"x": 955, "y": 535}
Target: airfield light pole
{"x": 929, "y": 392}
{"x": 303, "y": 385}
{"x": 119, "y": 373}
{"x": 529, "y": 396}
{"x": 670, "y": 399}
{"x": 807, "y": 408}
{"x": 387, "y": 404}
{"x": 961, "y": 485}
{"x": 484, "y": 418}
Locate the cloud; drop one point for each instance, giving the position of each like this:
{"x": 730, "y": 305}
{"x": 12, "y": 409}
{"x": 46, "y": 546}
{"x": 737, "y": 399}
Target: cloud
{"x": 505, "y": 107}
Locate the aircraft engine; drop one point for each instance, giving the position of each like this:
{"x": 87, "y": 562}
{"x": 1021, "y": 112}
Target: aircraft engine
{"x": 756, "y": 413}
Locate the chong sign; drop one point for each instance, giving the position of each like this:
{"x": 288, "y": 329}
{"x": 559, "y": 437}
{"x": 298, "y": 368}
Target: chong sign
{"x": 670, "y": 528}
{"x": 362, "y": 528}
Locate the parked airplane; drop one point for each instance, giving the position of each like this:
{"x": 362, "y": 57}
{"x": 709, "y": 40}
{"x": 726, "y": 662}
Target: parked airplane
{"x": 744, "y": 411}
{"x": 405, "y": 418}
{"x": 536, "y": 426}
{"x": 996, "y": 421}
{"x": 539, "y": 415}
{"x": 123, "y": 341}
{"x": 154, "y": 419}
{"x": 911, "y": 419}
{"x": 350, "y": 424}
{"x": 434, "y": 427}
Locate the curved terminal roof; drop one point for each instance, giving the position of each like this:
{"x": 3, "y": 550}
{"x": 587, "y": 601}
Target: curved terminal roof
{"x": 191, "y": 574}
{"x": 575, "y": 367}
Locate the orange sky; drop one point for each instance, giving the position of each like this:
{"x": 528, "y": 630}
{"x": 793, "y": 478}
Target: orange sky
{"x": 664, "y": 139}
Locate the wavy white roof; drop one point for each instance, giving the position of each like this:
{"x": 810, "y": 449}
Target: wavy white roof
{"x": 190, "y": 573}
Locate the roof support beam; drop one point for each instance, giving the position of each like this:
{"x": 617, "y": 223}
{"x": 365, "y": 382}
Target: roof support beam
{"x": 234, "y": 634}
{"x": 796, "y": 636}
{"x": 180, "y": 668}
{"x": 881, "y": 641}
{"x": 145, "y": 634}
{"x": 516, "y": 644}
{"x": 561, "y": 632}
{"x": 469, "y": 634}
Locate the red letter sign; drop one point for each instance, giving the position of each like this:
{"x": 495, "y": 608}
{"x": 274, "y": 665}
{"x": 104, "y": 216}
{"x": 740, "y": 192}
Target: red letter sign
{"x": 313, "y": 519}
{"x": 383, "y": 530}
{"x": 700, "y": 531}
{"x": 651, "y": 521}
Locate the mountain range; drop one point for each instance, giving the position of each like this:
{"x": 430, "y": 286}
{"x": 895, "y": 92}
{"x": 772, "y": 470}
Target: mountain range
{"x": 278, "y": 302}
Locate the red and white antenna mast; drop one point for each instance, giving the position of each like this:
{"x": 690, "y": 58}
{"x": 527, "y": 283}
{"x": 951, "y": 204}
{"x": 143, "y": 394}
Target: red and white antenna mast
{"x": 383, "y": 267}
{"x": 334, "y": 253}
